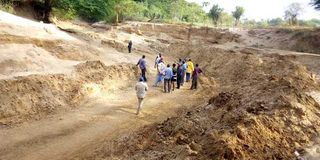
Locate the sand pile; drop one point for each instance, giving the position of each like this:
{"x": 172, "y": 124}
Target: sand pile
{"x": 61, "y": 49}
{"x": 17, "y": 30}
{"x": 26, "y": 59}
{"x": 22, "y": 27}
{"x": 262, "y": 110}
{"x": 35, "y": 96}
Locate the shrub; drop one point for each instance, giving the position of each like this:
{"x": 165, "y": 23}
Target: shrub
{"x": 7, "y": 6}
{"x": 68, "y": 14}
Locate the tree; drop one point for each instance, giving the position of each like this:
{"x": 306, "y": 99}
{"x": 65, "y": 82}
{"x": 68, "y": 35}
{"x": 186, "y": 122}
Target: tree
{"x": 316, "y": 4}
{"x": 293, "y": 11}
{"x": 194, "y": 13}
{"x": 178, "y": 9}
{"x": 310, "y": 23}
{"x": 237, "y": 14}
{"x": 47, "y": 10}
{"x": 121, "y": 7}
{"x": 93, "y": 11}
{"x": 226, "y": 19}
{"x": 250, "y": 23}
{"x": 114, "y": 10}
{"x": 153, "y": 13}
{"x": 205, "y": 4}
{"x": 276, "y": 22}
{"x": 215, "y": 14}
{"x": 7, "y": 6}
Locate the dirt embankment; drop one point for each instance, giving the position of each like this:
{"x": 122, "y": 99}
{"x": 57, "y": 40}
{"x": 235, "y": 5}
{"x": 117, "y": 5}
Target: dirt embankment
{"x": 307, "y": 41}
{"x": 182, "y": 32}
{"x": 300, "y": 40}
{"x": 264, "y": 111}
{"x": 36, "y": 96}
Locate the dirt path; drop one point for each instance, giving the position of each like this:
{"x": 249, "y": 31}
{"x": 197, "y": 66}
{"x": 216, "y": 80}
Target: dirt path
{"x": 61, "y": 135}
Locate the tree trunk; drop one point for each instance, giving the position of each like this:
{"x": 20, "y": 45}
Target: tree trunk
{"x": 215, "y": 23}
{"x": 237, "y": 22}
{"x": 152, "y": 18}
{"x": 47, "y": 11}
{"x": 117, "y": 18}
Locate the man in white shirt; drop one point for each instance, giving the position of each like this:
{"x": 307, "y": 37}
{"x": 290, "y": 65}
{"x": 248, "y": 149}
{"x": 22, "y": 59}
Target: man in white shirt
{"x": 157, "y": 60}
{"x": 141, "y": 89}
{"x": 161, "y": 67}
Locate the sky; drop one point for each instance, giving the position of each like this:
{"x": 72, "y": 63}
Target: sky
{"x": 263, "y": 9}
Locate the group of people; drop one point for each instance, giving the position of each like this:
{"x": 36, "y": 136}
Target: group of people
{"x": 177, "y": 73}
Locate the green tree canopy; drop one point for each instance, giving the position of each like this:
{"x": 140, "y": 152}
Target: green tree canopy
{"x": 226, "y": 19}
{"x": 276, "y": 22}
{"x": 118, "y": 10}
{"x": 215, "y": 14}
{"x": 316, "y": 4}
{"x": 292, "y": 13}
{"x": 238, "y": 13}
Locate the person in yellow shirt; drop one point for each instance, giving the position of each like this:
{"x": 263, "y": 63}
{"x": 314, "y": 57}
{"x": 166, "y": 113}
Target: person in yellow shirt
{"x": 189, "y": 70}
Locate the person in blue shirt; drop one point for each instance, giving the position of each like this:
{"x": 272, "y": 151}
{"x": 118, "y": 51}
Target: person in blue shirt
{"x": 174, "y": 76}
{"x": 168, "y": 74}
{"x": 143, "y": 66}
{"x": 184, "y": 68}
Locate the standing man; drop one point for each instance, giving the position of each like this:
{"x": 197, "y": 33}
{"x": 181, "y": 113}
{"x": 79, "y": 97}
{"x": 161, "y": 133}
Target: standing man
{"x": 180, "y": 62}
{"x": 143, "y": 66}
{"x": 161, "y": 67}
{"x": 130, "y": 46}
{"x": 184, "y": 68}
{"x": 168, "y": 74}
{"x": 157, "y": 60}
{"x": 197, "y": 71}
{"x": 141, "y": 89}
{"x": 174, "y": 75}
{"x": 179, "y": 76}
{"x": 189, "y": 70}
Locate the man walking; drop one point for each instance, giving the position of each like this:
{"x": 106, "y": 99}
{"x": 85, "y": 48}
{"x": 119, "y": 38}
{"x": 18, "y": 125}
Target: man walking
{"x": 167, "y": 79}
{"x": 189, "y": 70}
{"x": 130, "y": 46}
{"x": 141, "y": 89}
{"x": 197, "y": 71}
{"x": 142, "y": 65}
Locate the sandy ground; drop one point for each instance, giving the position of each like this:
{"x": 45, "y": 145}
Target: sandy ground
{"x": 62, "y": 135}
{"x": 42, "y": 51}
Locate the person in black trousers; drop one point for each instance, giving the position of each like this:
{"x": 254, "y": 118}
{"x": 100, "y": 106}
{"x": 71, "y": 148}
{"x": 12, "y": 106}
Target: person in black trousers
{"x": 143, "y": 66}
{"x": 195, "y": 75}
{"x": 130, "y": 46}
{"x": 179, "y": 75}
